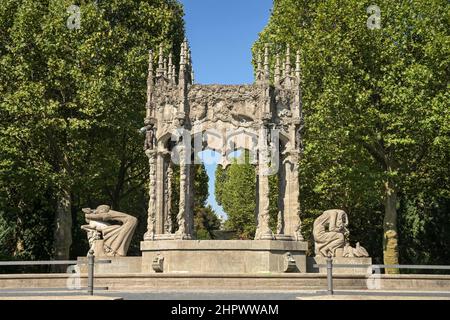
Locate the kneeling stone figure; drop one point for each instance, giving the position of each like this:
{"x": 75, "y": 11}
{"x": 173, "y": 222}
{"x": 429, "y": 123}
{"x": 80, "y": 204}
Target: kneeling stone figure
{"x": 330, "y": 236}
{"x": 109, "y": 232}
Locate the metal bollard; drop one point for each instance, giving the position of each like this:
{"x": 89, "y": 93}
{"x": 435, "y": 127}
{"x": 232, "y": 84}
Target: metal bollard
{"x": 91, "y": 263}
{"x": 330, "y": 274}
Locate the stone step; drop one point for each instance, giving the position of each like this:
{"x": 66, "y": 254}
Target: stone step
{"x": 139, "y": 281}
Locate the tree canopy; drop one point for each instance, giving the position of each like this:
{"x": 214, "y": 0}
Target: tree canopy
{"x": 376, "y": 118}
{"x": 72, "y": 98}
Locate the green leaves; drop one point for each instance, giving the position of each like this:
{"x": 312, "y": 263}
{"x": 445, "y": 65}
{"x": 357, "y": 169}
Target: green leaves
{"x": 236, "y": 192}
{"x": 70, "y": 103}
{"x": 374, "y": 103}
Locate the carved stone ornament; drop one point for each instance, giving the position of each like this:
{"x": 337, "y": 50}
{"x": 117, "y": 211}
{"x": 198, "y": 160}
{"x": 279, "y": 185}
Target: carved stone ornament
{"x": 176, "y": 104}
{"x": 289, "y": 263}
{"x": 158, "y": 263}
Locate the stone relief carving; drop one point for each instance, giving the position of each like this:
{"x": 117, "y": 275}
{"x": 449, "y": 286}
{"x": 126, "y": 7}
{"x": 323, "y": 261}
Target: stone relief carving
{"x": 164, "y": 101}
{"x": 109, "y": 232}
{"x": 151, "y": 219}
{"x": 150, "y": 137}
{"x": 158, "y": 263}
{"x": 224, "y": 102}
{"x": 283, "y": 101}
{"x": 289, "y": 263}
{"x": 330, "y": 236}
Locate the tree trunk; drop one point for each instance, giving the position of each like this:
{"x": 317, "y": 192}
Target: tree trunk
{"x": 20, "y": 246}
{"x": 63, "y": 217}
{"x": 390, "y": 239}
{"x": 63, "y": 226}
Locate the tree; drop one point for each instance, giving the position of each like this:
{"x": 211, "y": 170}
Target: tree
{"x": 205, "y": 222}
{"x": 233, "y": 185}
{"x": 374, "y": 102}
{"x": 205, "y": 219}
{"x": 72, "y": 100}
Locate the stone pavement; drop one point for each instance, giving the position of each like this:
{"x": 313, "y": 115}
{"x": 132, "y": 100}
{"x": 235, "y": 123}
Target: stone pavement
{"x": 227, "y": 295}
{"x": 58, "y": 297}
{"x": 375, "y": 295}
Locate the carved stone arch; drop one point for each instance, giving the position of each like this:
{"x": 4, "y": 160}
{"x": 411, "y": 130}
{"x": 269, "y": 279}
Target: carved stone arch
{"x": 250, "y": 112}
{"x": 165, "y": 140}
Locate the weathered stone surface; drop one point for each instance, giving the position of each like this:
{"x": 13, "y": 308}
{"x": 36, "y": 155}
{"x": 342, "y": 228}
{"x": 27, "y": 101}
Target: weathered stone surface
{"x": 260, "y": 281}
{"x": 226, "y": 256}
{"x": 128, "y": 265}
{"x": 341, "y": 260}
{"x": 331, "y": 236}
{"x": 234, "y": 117}
{"x": 109, "y": 231}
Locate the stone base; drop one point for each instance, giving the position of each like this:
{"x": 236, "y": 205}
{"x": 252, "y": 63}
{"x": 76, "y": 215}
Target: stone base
{"x": 339, "y": 260}
{"x": 117, "y": 265}
{"x": 214, "y": 282}
{"x": 225, "y": 256}
{"x": 166, "y": 236}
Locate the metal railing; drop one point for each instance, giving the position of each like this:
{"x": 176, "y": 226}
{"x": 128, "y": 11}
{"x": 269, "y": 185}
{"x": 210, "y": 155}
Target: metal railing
{"x": 90, "y": 263}
{"x": 330, "y": 266}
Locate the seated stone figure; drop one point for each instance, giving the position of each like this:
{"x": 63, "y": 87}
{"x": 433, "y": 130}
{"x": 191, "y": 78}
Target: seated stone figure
{"x": 330, "y": 236}
{"x": 109, "y": 232}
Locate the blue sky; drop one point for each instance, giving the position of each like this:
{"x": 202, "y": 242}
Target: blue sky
{"x": 221, "y": 34}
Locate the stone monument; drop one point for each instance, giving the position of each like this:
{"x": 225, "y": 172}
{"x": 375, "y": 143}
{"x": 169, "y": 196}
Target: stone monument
{"x": 331, "y": 240}
{"x": 109, "y": 232}
{"x": 183, "y": 118}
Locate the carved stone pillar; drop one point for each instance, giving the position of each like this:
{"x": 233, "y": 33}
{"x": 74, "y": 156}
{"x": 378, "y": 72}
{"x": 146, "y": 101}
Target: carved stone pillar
{"x": 182, "y": 215}
{"x": 151, "y": 220}
{"x": 160, "y": 193}
{"x": 263, "y": 231}
{"x": 168, "y": 198}
{"x": 291, "y": 196}
{"x": 281, "y": 193}
{"x": 191, "y": 196}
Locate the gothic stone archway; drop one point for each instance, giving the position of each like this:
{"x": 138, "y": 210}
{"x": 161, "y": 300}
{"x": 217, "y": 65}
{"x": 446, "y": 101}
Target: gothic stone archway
{"x": 174, "y": 102}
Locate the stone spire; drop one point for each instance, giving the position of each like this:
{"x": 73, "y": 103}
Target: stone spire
{"x": 170, "y": 71}
{"x": 183, "y": 80}
{"x": 174, "y": 74}
{"x": 165, "y": 68}
{"x": 160, "y": 70}
{"x": 260, "y": 67}
{"x": 149, "y": 78}
{"x": 297, "y": 67}
{"x": 287, "y": 68}
{"x": 189, "y": 64}
{"x": 188, "y": 55}
{"x": 181, "y": 73}
{"x": 259, "y": 71}
{"x": 277, "y": 70}
{"x": 266, "y": 62}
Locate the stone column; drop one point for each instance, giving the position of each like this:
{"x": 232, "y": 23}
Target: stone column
{"x": 281, "y": 193}
{"x": 263, "y": 231}
{"x": 257, "y": 200}
{"x": 159, "y": 229}
{"x": 151, "y": 220}
{"x": 291, "y": 196}
{"x": 168, "y": 198}
{"x": 190, "y": 196}
{"x": 183, "y": 204}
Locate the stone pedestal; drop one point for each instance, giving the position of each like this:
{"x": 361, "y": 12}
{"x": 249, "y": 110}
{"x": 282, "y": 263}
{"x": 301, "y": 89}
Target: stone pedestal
{"x": 118, "y": 265}
{"x": 225, "y": 256}
{"x": 340, "y": 260}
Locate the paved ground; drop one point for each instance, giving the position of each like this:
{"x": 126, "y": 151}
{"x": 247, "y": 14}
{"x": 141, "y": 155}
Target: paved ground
{"x": 227, "y": 295}
{"x": 59, "y": 297}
